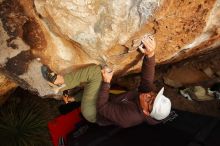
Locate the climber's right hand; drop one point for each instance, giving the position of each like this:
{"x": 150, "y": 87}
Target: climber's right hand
{"x": 149, "y": 45}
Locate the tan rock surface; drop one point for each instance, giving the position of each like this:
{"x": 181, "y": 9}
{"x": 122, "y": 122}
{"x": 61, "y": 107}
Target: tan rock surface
{"x": 66, "y": 35}
{"x": 6, "y": 86}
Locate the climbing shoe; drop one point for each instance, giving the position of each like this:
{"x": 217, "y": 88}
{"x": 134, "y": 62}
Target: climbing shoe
{"x": 48, "y": 74}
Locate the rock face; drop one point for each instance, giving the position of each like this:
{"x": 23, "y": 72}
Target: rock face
{"x": 6, "y": 86}
{"x": 66, "y": 35}
{"x": 96, "y": 25}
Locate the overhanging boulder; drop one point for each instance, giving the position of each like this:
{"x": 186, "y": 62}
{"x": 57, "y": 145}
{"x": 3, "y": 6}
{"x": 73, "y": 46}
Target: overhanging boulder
{"x": 66, "y": 35}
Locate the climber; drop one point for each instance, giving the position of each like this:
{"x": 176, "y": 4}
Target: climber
{"x": 90, "y": 76}
{"x": 134, "y": 107}
{"x": 125, "y": 110}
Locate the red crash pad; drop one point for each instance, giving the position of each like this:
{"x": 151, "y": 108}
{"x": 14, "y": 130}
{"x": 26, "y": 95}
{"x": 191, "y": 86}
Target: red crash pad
{"x": 63, "y": 125}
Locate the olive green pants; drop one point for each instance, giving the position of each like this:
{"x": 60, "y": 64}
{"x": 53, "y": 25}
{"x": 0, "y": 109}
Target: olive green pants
{"x": 92, "y": 78}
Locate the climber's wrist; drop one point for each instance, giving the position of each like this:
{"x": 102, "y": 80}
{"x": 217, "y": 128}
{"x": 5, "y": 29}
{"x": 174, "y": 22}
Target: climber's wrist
{"x": 149, "y": 55}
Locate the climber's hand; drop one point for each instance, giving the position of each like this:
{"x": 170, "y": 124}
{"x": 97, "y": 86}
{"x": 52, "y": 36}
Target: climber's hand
{"x": 68, "y": 99}
{"x": 107, "y": 75}
{"x": 149, "y": 45}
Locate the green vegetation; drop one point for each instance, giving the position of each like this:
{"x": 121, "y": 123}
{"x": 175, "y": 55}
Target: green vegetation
{"x": 23, "y": 121}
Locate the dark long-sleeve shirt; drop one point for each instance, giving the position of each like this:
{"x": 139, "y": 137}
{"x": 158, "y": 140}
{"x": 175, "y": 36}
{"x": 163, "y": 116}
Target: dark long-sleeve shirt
{"x": 124, "y": 109}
